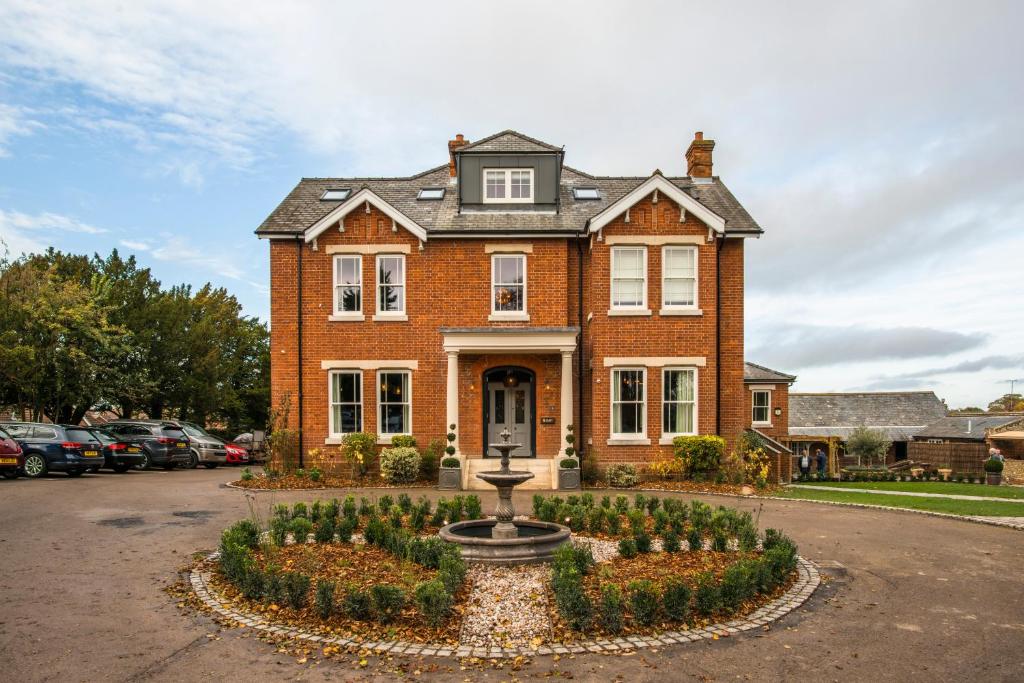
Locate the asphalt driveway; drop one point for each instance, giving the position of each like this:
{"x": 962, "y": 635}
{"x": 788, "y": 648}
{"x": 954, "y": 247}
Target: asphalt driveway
{"x": 83, "y": 563}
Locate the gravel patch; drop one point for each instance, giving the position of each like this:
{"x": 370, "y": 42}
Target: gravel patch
{"x": 507, "y": 606}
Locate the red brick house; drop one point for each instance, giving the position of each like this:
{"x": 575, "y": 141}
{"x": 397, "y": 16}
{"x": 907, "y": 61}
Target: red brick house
{"x": 507, "y": 289}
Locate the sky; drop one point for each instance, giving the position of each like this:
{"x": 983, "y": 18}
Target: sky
{"x": 879, "y": 144}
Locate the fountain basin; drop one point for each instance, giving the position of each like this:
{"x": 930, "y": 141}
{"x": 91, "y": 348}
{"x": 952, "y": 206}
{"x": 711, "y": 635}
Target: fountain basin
{"x": 535, "y": 542}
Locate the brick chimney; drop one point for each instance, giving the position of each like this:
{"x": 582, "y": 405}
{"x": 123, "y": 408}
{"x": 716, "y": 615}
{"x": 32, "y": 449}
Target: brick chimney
{"x": 698, "y": 156}
{"x": 453, "y": 145}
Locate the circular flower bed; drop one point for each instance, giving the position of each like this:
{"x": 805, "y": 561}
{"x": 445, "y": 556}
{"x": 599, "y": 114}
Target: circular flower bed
{"x": 377, "y": 571}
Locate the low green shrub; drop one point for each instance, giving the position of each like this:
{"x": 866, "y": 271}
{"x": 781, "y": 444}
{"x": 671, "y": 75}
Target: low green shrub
{"x": 719, "y": 541}
{"x": 324, "y": 530}
{"x": 643, "y": 602}
{"x": 296, "y": 588}
{"x": 637, "y": 521}
{"x": 707, "y": 596}
{"x": 695, "y": 540}
{"x": 473, "y": 508}
{"x": 332, "y": 509}
{"x": 388, "y": 602}
{"x": 568, "y": 463}
{"x": 365, "y": 507}
{"x": 699, "y": 454}
{"x": 571, "y": 600}
{"x": 440, "y": 512}
{"x": 300, "y": 510}
{"x": 279, "y": 531}
{"x": 403, "y": 441}
{"x": 643, "y": 542}
{"x": 433, "y": 601}
{"x": 538, "y": 500}
{"x": 455, "y": 507}
{"x": 247, "y": 475}
{"x": 614, "y": 522}
{"x": 994, "y": 466}
{"x": 737, "y": 584}
{"x": 384, "y": 504}
{"x": 587, "y": 500}
{"x": 315, "y": 474}
{"x": 660, "y": 522}
{"x": 301, "y": 528}
{"x": 676, "y": 599}
{"x": 451, "y": 571}
{"x": 417, "y": 519}
{"x": 621, "y": 475}
{"x": 606, "y": 502}
{"x": 610, "y": 611}
{"x": 399, "y": 464}
{"x": 627, "y": 548}
{"x": 451, "y": 463}
{"x": 273, "y": 588}
{"x": 639, "y": 502}
{"x": 324, "y": 599}
{"x": 747, "y": 539}
{"x": 548, "y": 511}
{"x": 345, "y": 528}
{"x": 670, "y": 542}
{"x": 395, "y": 517}
{"x": 595, "y": 520}
{"x": 405, "y": 503}
{"x": 652, "y": 504}
{"x": 357, "y": 604}
{"x": 621, "y": 504}
{"x": 282, "y": 511}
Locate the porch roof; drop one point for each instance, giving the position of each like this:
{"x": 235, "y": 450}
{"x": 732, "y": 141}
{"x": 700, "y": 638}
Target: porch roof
{"x": 509, "y": 339}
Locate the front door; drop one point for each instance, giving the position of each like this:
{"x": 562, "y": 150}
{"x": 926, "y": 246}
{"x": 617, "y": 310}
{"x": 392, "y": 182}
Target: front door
{"x": 509, "y": 408}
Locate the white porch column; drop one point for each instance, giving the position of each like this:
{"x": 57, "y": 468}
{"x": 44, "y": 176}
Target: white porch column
{"x": 452, "y": 398}
{"x": 566, "y": 396}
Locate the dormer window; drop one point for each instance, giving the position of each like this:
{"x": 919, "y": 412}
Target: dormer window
{"x": 431, "y": 193}
{"x": 508, "y": 186}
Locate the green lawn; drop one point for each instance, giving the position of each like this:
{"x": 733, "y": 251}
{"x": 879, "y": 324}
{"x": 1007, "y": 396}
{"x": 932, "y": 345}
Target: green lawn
{"x": 949, "y": 506}
{"x": 1015, "y": 492}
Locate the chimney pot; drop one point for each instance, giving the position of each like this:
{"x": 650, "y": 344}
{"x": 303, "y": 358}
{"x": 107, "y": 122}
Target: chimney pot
{"x": 459, "y": 141}
{"x": 698, "y": 156}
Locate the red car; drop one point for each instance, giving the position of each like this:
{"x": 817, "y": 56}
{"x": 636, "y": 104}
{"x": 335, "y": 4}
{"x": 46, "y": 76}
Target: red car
{"x": 236, "y": 454}
{"x": 11, "y": 457}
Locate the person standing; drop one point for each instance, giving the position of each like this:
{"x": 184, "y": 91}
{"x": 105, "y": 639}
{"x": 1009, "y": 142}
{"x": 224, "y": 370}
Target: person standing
{"x": 805, "y": 464}
{"x": 822, "y": 461}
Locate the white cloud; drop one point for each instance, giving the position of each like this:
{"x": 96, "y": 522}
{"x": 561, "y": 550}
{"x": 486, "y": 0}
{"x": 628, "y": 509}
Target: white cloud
{"x": 185, "y": 252}
{"x": 24, "y": 233}
{"x": 135, "y": 244}
{"x": 15, "y": 121}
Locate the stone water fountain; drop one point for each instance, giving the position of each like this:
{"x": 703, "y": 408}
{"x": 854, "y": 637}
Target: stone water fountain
{"x": 505, "y": 540}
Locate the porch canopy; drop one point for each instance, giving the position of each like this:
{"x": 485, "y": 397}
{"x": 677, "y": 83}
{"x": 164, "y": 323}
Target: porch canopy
{"x": 1015, "y": 435}
{"x": 507, "y": 340}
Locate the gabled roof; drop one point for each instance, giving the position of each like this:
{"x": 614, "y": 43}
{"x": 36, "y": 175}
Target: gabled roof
{"x": 508, "y": 141}
{"x": 754, "y": 373}
{"x": 303, "y": 208}
{"x": 900, "y": 414}
{"x": 657, "y": 183}
{"x": 972, "y": 427}
{"x": 361, "y": 198}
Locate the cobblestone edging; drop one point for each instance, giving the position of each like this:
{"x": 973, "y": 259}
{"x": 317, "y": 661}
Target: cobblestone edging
{"x": 424, "y": 487}
{"x": 807, "y": 581}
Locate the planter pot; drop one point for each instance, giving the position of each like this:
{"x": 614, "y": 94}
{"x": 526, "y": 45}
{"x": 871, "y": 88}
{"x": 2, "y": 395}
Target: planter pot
{"x": 569, "y": 479}
{"x": 993, "y": 478}
{"x": 945, "y": 473}
{"x": 449, "y": 478}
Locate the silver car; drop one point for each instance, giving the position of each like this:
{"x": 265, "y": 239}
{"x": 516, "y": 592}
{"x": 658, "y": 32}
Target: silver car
{"x": 205, "y": 448}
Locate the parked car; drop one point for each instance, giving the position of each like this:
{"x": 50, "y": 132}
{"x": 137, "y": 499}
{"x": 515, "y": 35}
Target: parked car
{"x": 56, "y": 448}
{"x": 206, "y": 449}
{"x": 236, "y": 454}
{"x": 118, "y": 455}
{"x": 11, "y": 457}
{"x": 163, "y": 442}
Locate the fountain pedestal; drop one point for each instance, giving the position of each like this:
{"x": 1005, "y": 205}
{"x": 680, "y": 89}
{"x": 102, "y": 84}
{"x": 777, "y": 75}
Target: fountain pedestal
{"x": 504, "y": 540}
{"x": 505, "y": 480}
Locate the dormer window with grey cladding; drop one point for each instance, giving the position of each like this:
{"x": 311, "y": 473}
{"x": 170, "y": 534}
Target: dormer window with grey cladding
{"x": 515, "y": 182}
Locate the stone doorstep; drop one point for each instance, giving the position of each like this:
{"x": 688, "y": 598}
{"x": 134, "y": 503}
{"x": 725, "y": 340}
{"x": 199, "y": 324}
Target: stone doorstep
{"x": 796, "y": 596}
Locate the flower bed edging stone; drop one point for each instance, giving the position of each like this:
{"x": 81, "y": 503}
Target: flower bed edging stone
{"x": 806, "y": 582}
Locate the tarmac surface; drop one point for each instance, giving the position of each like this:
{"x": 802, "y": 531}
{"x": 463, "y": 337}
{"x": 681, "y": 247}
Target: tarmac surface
{"x": 83, "y": 565}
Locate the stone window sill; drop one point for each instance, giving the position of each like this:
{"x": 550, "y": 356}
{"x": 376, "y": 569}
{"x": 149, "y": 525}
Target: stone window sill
{"x": 334, "y": 441}
{"x": 667, "y": 439}
{"x": 760, "y": 424}
{"x": 680, "y": 311}
{"x": 346, "y": 318}
{"x": 614, "y": 312}
{"x": 629, "y": 442}
{"x": 509, "y": 317}
{"x": 385, "y": 439}
{"x": 390, "y": 317}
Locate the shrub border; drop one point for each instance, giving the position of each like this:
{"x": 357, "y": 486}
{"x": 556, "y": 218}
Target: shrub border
{"x": 806, "y": 582}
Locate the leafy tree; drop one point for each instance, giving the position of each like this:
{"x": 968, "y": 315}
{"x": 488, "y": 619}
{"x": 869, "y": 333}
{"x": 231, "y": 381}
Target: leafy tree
{"x": 1007, "y": 403}
{"x": 868, "y": 444}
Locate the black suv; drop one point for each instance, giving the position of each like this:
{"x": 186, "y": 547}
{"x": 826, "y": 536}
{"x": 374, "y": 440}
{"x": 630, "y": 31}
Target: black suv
{"x": 58, "y": 448}
{"x": 163, "y": 442}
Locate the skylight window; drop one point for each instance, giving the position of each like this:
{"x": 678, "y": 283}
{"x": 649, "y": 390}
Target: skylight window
{"x": 585, "y": 193}
{"x": 431, "y": 193}
{"x": 335, "y": 195}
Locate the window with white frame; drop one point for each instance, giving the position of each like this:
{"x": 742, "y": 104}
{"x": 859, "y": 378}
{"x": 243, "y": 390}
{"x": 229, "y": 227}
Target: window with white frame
{"x": 679, "y": 277}
{"x": 395, "y": 402}
{"x": 628, "y": 402}
{"x": 508, "y": 185}
{"x": 762, "y": 405}
{"x": 348, "y": 284}
{"x": 679, "y": 401}
{"x": 508, "y": 283}
{"x": 629, "y": 278}
{"x": 346, "y": 402}
{"x": 391, "y": 283}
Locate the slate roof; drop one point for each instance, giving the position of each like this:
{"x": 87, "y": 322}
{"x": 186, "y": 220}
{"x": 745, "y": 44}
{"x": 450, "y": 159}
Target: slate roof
{"x": 754, "y": 373}
{"x": 955, "y": 426}
{"x": 303, "y": 207}
{"x": 509, "y": 141}
{"x": 900, "y": 414}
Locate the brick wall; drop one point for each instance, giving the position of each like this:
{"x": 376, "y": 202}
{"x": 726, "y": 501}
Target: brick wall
{"x": 448, "y": 285}
{"x": 779, "y": 428}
